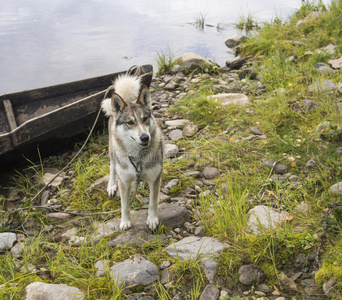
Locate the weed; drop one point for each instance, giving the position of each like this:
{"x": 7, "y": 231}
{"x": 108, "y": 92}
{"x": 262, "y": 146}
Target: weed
{"x": 200, "y": 21}
{"x": 165, "y": 61}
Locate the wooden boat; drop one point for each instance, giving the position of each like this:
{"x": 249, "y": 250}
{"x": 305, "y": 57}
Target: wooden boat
{"x": 47, "y": 117}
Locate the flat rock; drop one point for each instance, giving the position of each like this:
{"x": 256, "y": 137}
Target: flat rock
{"x": 287, "y": 284}
{"x": 235, "y": 40}
{"x": 262, "y": 217}
{"x": 231, "y": 99}
{"x": 170, "y": 150}
{"x": 336, "y": 188}
{"x": 251, "y": 274}
{"x": 102, "y": 266}
{"x": 210, "y": 292}
{"x": 176, "y": 134}
{"x": 137, "y": 239}
{"x": 210, "y": 269}
{"x": 7, "y": 240}
{"x": 191, "y": 60}
{"x": 323, "y": 85}
{"x": 41, "y": 290}
{"x": 170, "y": 214}
{"x": 177, "y": 124}
{"x": 58, "y": 216}
{"x": 135, "y": 271}
{"x": 99, "y": 185}
{"x": 49, "y": 174}
{"x": 195, "y": 247}
{"x": 210, "y": 173}
{"x": 277, "y": 167}
{"x": 336, "y": 63}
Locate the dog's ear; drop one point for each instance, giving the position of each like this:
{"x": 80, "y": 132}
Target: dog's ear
{"x": 118, "y": 104}
{"x": 144, "y": 97}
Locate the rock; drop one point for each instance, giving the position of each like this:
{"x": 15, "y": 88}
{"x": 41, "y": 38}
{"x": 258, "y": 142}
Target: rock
{"x": 210, "y": 173}
{"x": 49, "y": 174}
{"x": 190, "y": 61}
{"x": 323, "y": 85}
{"x": 310, "y": 164}
{"x": 236, "y": 63}
{"x": 102, "y": 266}
{"x": 199, "y": 231}
{"x": 58, "y": 216}
{"x": 251, "y": 274}
{"x": 263, "y": 288}
{"x": 324, "y": 68}
{"x": 134, "y": 271}
{"x": 338, "y": 150}
{"x": 305, "y": 105}
{"x": 44, "y": 197}
{"x": 262, "y": 218}
{"x": 235, "y": 41}
{"x": 323, "y": 126}
{"x": 256, "y": 131}
{"x": 287, "y": 284}
{"x": 165, "y": 264}
{"x": 177, "y": 124}
{"x": 210, "y": 292}
{"x": 77, "y": 240}
{"x": 330, "y": 49}
{"x": 226, "y": 99}
{"x": 7, "y": 239}
{"x": 170, "y": 86}
{"x": 41, "y": 290}
{"x": 336, "y": 63}
{"x": 302, "y": 208}
{"x": 277, "y": 167}
{"x": 170, "y": 150}
{"x": 336, "y": 188}
{"x": 170, "y": 185}
{"x": 328, "y": 288}
{"x": 190, "y": 129}
{"x": 137, "y": 239}
{"x": 166, "y": 277}
{"x": 17, "y": 249}
{"x": 247, "y": 73}
{"x": 210, "y": 269}
{"x": 176, "y": 135}
{"x": 195, "y": 247}
{"x": 170, "y": 214}
{"x": 99, "y": 185}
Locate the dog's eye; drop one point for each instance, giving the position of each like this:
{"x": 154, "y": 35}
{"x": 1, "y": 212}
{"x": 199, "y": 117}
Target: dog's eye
{"x": 144, "y": 119}
{"x": 130, "y": 122}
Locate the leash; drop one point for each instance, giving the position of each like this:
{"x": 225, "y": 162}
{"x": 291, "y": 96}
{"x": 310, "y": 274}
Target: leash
{"x": 138, "y": 180}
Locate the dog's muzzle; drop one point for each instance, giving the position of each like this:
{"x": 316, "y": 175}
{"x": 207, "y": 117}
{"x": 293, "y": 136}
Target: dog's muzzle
{"x": 144, "y": 140}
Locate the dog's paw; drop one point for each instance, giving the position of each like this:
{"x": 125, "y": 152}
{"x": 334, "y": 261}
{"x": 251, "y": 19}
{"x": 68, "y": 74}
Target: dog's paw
{"x": 111, "y": 189}
{"x": 125, "y": 225}
{"x": 153, "y": 223}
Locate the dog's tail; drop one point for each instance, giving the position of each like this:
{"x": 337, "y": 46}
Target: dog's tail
{"x": 127, "y": 87}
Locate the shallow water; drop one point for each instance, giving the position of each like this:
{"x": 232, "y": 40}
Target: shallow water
{"x": 49, "y": 42}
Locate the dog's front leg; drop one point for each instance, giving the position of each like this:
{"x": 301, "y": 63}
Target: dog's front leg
{"x": 111, "y": 188}
{"x": 124, "y": 189}
{"x": 152, "y": 219}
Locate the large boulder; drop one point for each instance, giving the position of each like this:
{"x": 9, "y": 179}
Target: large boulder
{"x": 191, "y": 61}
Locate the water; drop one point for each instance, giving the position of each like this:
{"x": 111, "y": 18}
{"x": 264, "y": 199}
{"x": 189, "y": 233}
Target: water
{"x": 49, "y": 42}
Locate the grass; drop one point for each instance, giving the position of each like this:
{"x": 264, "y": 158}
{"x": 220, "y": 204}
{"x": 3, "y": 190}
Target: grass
{"x": 165, "y": 61}
{"x": 200, "y": 21}
{"x": 247, "y": 23}
{"x": 292, "y": 139}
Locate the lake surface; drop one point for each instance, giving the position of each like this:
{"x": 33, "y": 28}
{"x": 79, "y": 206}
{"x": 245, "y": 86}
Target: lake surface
{"x": 49, "y": 42}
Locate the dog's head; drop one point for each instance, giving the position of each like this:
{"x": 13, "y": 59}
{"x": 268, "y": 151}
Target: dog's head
{"x": 134, "y": 120}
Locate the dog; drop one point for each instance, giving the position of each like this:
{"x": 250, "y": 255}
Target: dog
{"x": 135, "y": 145}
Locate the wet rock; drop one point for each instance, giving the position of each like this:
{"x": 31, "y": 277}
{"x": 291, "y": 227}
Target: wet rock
{"x": 41, "y": 290}
{"x": 231, "y": 99}
{"x": 287, "y": 284}
{"x": 210, "y": 173}
{"x": 336, "y": 188}
{"x": 135, "y": 271}
{"x": 7, "y": 240}
{"x": 195, "y": 247}
{"x": 176, "y": 134}
{"x": 262, "y": 218}
{"x": 277, "y": 167}
{"x": 190, "y": 129}
{"x": 137, "y": 239}
{"x": 210, "y": 292}
{"x": 170, "y": 214}
{"x": 336, "y": 63}
{"x": 251, "y": 274}
{"x": 170, "y": 150}
{"x": 235, "y": 41}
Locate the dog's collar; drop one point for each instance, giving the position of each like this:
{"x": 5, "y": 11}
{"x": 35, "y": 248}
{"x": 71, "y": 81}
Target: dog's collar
{"x": 137, "y": 168}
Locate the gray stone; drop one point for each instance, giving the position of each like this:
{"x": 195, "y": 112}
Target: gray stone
{"x": 176, "y": 134}
{"x": 102, "y": 266}
{"x": 235, "y": 41}
{"x": 336, "y": 188}
{"x": 263, "y": 288}
{"x": 195, "y": 247}
{"x": 236, "y": 63}
{"x": 166, "y": 277}
{"x": 99, "y": 185}
{"x": 7, "y": 239}
{"x": 49, "y": 174}
{"x": 17, "y": 249}
{"x": 170, "y": 150}
{"x": 328, "y": 288}
{"x": 287, "y": 284}
{"x": 210, "y": 173}
{"x": 170, "y": 214}
{"x": 171, "y": 184}
{"x": 311, "y": 163}
{"x": 262, "y": 218}
{"x": 170, "y": 86}
{"x": 210, "y": 292}
{"x": 210, "y": 269}
{"x": 135, "y": 271}
{"x": 251, "y": 274}
{"x": 226, "y": 99}
{"x": 44, "y": 197}
{"x": 256, "y": 131}
{"x": 137, "y": 239}
{"x": 165, "y": 264}
{"x": 302, "y": 208}
{"x": 199, "y": 231}
{"x": 58, "y": 216}
{"x": 177, "y": 124}
{"x": 323, "y": 126}
{"x": 190, "y": 129}
{"x": 46, "y": 291}
{"x": 323, "y": 85}
{"x": 336, "y": 63}
{"x": 339, "y": 150}
{"x": 330, "y": 49}
{"x": 277, "y": 167}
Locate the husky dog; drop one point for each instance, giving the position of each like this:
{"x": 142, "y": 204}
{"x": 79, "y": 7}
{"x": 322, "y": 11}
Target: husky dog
{"x": 135, "y": 145}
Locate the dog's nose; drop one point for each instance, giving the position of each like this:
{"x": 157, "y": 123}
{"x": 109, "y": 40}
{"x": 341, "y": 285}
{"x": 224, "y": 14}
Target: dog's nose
{"x": 144, "y": 138}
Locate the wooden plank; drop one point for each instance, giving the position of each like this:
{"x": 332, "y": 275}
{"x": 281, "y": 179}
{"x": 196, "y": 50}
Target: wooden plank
{"x": 11, "y": 119}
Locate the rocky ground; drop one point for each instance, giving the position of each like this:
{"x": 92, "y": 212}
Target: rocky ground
{"x": 54, "y": 221}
